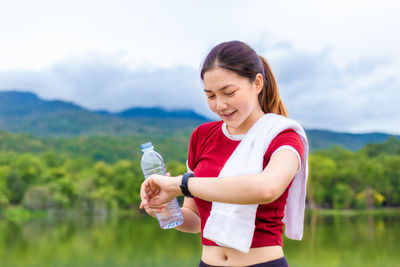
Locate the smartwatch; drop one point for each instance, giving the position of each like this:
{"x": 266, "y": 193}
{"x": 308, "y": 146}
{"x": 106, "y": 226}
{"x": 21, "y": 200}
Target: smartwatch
{"x": 184, "y": 184}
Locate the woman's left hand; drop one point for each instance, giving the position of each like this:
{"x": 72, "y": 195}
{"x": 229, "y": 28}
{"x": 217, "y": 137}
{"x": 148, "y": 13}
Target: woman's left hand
{"x": 158, "y": 189}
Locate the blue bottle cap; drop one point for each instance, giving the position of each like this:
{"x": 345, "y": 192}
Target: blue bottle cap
{"x": 146, "y": 146}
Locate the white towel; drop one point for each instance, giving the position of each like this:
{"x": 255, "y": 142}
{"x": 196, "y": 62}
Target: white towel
{"x": 232, "y": 225}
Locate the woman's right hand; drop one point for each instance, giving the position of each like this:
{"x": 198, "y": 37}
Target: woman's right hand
{"x": 158, "y": 190}
{"x": 153, "y": 210}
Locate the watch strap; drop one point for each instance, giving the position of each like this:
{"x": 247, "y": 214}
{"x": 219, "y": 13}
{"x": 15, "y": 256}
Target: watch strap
{"x": 184, "y": 184}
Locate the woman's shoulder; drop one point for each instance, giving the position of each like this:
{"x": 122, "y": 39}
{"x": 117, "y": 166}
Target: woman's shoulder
{"x": 287, "y": 137}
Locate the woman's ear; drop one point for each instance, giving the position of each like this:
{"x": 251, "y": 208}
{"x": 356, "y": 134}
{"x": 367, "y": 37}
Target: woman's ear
{"x": 259, "y": 83}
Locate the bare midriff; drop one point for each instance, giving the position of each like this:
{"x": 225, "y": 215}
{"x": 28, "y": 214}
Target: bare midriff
{"x": 223, "y": 256}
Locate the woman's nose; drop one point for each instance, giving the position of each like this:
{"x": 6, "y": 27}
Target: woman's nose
{"x": 221, "y": 104}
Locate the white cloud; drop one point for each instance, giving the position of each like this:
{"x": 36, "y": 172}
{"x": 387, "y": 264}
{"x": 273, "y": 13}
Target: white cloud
{"x": 336, "y": 63}
{"x": 104, "y": 82}
{"x": 359, "y": 97}
{"x": 37, "y": 34}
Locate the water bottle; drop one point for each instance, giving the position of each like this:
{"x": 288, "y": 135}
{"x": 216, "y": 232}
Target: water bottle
{"x": 153, "y": 163}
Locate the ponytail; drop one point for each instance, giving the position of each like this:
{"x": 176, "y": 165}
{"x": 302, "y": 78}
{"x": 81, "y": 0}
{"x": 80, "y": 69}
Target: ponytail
{"x": 269, "y": 98}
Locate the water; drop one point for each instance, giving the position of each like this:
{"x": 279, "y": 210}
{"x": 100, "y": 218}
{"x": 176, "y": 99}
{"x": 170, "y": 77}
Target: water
{"x": 329, "y": 241}
{"x": 153, "y": 163}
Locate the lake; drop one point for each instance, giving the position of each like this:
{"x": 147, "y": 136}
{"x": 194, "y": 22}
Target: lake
{"x": 329, "y": 241}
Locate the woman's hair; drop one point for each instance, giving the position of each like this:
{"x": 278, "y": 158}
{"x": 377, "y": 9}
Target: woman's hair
{"x": 241, "y": 58}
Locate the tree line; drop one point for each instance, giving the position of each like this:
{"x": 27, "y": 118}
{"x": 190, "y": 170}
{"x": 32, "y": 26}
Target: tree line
{"x": 367, "y": 178}
{"x": 55, "y": 177}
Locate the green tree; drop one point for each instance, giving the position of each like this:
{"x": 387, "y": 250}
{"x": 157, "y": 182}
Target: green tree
{"x": 322, "y": 173}
{"x": 391, "y": 175}
{"x": 4, "y": 201}
{"x": 125, "y": 182}
{"x": 342, "y": 196}
{"x": 39, "y": 197}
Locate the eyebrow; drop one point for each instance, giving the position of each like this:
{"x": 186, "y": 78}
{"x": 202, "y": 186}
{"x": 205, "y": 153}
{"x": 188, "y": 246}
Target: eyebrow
{"x": 220, "y": 89}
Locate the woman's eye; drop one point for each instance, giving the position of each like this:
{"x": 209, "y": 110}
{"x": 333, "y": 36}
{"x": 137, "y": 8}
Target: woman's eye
{"x": 211, "y": 96}
{"x": 230, "y": 94}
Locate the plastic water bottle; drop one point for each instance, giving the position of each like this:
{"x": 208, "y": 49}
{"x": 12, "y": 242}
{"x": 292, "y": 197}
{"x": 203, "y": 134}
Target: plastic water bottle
{"x": 153, "y": 163}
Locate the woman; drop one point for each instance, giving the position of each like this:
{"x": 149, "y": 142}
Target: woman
{"x": 241, "y": 90}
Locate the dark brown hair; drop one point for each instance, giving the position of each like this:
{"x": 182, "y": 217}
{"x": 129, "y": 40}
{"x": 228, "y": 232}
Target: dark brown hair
{"x": 242, "y": 59}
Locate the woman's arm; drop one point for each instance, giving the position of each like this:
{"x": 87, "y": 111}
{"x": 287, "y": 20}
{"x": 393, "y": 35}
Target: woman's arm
{"x": 191, "y": 218}
{"x": 259, "y": 188}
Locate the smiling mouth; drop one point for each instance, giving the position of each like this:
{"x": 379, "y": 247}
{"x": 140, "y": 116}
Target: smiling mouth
{"x": 228, "y": 115}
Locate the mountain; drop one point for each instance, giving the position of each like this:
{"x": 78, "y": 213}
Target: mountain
{"x": 26, "y": 112}
{"x": 19, "y": 104}
{"x": 324, "y": 139}
{"x": 159, "y": 113}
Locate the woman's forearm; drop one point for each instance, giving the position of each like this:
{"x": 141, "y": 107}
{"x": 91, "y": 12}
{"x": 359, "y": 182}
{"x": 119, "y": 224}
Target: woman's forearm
{"x": 258, "y": 188}
{"x": 261, "y": 188}
{"x": 246, "y": 189}
{"x": 191, "y": 222}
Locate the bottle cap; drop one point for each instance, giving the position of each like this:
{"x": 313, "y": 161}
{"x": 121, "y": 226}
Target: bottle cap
{"x": 146, "y": 146}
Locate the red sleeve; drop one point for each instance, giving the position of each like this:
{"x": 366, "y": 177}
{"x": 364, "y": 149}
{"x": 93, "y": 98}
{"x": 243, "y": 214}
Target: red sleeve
{"x": 192, "y": 150}
{"x": 285, "y": 138}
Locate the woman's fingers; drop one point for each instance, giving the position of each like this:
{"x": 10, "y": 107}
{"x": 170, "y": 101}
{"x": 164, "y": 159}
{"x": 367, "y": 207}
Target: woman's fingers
{"x": 153, "y": 209}
{"x": 154, "y": 186}
{"x": 143, "y": 192}
{"x": 158, "y": 208}
{"x": 149, "y": 193}
{"x": 149, "y": 188}
{"x": 154, "y": 201}
{"x": 155, "y": 190}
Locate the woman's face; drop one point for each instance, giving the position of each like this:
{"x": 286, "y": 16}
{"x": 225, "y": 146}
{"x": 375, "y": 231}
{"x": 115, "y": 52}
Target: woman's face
{"x": 233, "y": 98}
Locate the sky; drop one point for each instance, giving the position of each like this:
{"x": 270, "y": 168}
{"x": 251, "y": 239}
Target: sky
{"x": 337, "y": 63}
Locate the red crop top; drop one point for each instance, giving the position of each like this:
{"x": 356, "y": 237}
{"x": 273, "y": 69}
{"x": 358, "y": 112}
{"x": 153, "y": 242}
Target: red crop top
{"x": 209, "y": 149}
